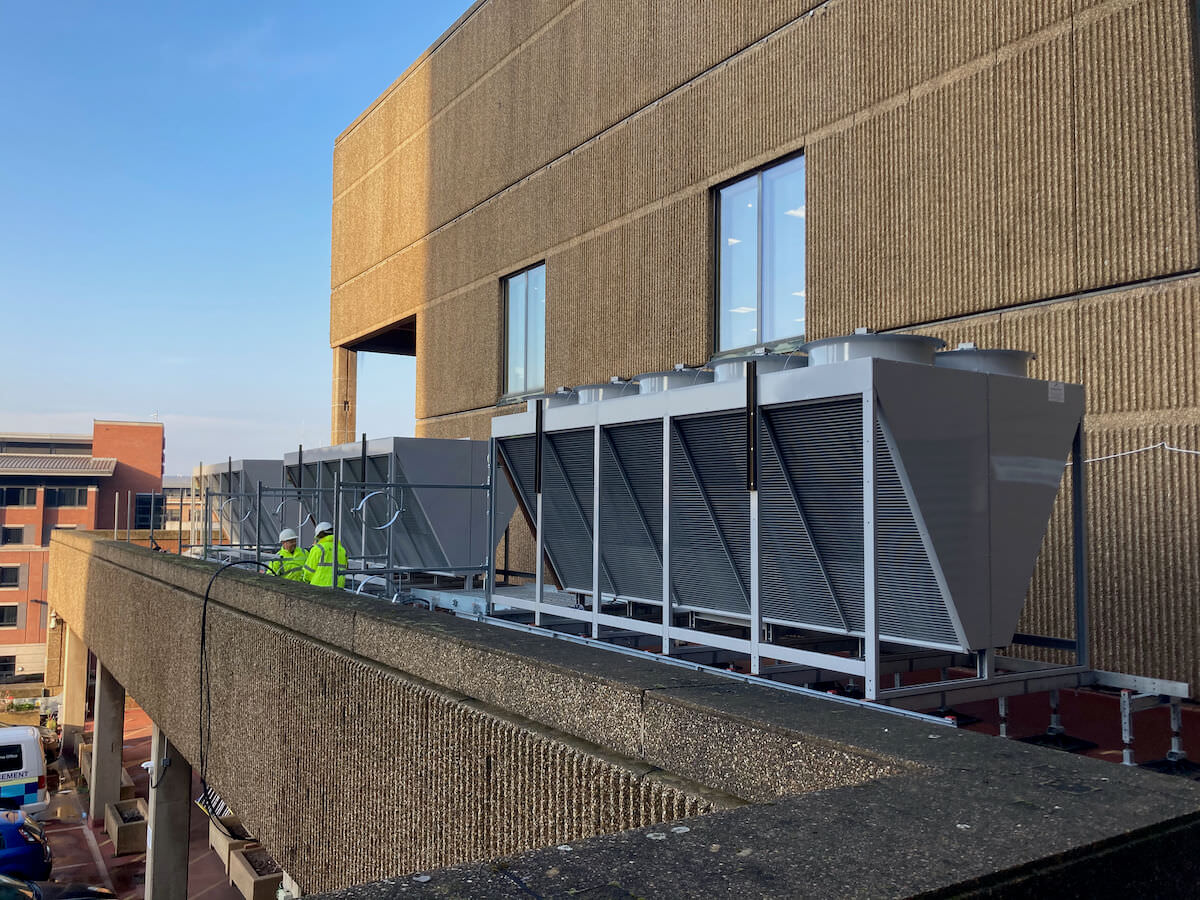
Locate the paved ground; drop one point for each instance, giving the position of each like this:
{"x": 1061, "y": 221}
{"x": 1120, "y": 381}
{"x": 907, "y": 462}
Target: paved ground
{"x": 84, "y": 853}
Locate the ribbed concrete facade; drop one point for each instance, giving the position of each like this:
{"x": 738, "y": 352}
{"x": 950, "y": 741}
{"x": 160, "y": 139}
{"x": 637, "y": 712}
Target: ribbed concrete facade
{"x": 1021, "y": 173}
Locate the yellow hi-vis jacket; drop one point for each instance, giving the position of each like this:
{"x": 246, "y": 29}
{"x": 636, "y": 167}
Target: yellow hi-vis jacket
{"x": 290, "y": 565}
{"x": 319, "y": 564}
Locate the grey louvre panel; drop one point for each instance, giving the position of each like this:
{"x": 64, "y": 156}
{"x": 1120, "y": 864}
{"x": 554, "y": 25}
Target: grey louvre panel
{"x": 566, "y": 532}
{"x": 567, "y": 469}
{"x": 710, "y": 512}
{"x": 518, "y": 456}
{"x": 793, "y": 584}
{"x": 820, "y": 450}
{"x": 631, "y": 497}
{"x": 910, "y": 603}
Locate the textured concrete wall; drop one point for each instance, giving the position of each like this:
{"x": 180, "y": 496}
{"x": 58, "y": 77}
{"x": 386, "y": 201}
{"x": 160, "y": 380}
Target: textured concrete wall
{"x": 965, "y": 157}
{"x": 360, "y": 740}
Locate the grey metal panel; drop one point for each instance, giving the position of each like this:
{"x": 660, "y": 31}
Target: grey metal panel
{"x": 820, "y": 450}
{"x": 1032, "y": 424}
{"x": 631, "y": 507}
{"x": 710, "y": 512}
{"x": 912, "y": 608}
{"x": 938, "y": 421}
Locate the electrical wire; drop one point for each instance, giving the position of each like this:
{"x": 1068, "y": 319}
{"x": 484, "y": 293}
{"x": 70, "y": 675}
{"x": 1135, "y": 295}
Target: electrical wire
{"x": 205, "y": 717}
{"x": 1161, "y": 445}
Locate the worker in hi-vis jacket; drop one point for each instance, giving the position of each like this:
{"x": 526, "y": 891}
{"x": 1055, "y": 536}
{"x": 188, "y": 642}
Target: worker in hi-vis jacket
{"x": 292, "y": 558}
{"x": 319, "y": 565}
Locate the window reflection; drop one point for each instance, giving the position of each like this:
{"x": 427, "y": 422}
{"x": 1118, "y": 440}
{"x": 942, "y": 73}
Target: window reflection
{"x": 761, "y": 261}
{"x": 525, "y": 330}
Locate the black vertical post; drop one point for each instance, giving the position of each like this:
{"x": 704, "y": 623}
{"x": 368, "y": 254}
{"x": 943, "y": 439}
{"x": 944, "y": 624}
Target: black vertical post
{"x": 752, "y": 426}
{"x": 538, "y": 428}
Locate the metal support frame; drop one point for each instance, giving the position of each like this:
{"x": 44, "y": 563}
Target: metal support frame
{"x": 871, "y": 684}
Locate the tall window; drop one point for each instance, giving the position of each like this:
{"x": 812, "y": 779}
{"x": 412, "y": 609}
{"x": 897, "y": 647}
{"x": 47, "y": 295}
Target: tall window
{"x": 760, "y": 257}
{"x": 525, "y": 331}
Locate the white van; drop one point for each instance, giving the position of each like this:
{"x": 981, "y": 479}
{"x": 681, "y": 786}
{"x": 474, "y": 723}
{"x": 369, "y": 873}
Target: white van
{"x": 22, "y": 769}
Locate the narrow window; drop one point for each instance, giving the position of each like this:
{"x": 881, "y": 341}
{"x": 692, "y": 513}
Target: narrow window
{"x": 10, "y": 576}
{"x": 8, "y": 616}
{"x": 525, "y": 331}
{"x": 761, "y": 257}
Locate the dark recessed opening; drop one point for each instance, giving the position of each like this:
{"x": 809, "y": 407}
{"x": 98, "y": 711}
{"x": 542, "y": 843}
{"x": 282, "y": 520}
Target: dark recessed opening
{"x": 399, "y": 339}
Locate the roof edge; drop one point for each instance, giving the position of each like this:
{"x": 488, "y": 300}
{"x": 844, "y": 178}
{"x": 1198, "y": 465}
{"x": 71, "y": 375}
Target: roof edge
{"x": 458, "y": 23}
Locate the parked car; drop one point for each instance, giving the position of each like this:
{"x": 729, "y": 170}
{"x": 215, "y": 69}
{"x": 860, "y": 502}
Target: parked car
{"x": 25, "y": 850}
{"x": 51, "y": 741}
{"x": 12, "y": 889}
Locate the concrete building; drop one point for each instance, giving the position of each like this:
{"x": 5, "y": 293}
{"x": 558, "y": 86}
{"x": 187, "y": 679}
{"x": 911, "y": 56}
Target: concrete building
{"x": 559, "y": 192}
{"x": 52, "y": 482}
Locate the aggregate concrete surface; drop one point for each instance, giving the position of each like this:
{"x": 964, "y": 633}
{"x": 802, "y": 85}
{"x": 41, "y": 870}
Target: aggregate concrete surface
{"x": 971, "y": 817}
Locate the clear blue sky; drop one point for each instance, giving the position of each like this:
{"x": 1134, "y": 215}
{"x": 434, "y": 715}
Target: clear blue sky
{"x": 165, "y": 193}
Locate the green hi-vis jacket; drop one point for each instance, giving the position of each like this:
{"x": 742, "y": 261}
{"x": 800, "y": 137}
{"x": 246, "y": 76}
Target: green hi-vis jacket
{"x": 290, "y": 565}
{"x": 320, "y": 563}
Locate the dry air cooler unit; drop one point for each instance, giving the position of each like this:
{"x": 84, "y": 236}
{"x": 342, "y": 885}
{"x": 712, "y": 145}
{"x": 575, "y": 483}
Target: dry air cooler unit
{"x": 868, "y": 487}
{"x": 231, "y": 488}
{"x": 404, "y": 502}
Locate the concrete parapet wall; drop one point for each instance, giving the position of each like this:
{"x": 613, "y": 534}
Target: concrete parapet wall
{"x": 360, "y": 740}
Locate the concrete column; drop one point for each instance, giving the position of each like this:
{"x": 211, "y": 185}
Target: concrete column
{"x": 107, "y": 740}
{"x": 345, "y": 395}
{"x": 168, "y": 828}
{"x": 74, "y": 703}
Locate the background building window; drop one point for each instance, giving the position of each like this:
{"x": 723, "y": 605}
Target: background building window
{"x": 12, "y": 535}
{"x": 525, "y": 331}
{"x": 760, "y": 257}
{"x": 66, "y": 496}
{"x": 143, "y": 505}
{"x": 8, "y": 616}
{"x": 18, "y": 496}
{"x": 10, "y": 576}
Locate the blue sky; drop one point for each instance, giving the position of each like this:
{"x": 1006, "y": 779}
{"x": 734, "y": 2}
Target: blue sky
{"x": 165, "y": 193}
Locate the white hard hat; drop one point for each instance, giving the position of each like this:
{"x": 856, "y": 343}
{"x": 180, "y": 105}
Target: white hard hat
{"x": 324, "y": 527}
{"x": 288, "y": 535}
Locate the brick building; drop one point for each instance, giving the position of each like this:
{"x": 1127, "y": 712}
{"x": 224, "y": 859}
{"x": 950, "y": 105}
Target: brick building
{"x": 62, "y": 481}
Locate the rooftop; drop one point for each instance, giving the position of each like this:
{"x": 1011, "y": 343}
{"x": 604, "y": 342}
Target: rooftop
{"x": 55, "y": 464}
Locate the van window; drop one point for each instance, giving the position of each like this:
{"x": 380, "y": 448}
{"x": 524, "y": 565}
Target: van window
{"x": 10, "y": 757}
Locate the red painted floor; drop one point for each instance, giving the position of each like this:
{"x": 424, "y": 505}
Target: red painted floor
{"x": 83, "y": 851}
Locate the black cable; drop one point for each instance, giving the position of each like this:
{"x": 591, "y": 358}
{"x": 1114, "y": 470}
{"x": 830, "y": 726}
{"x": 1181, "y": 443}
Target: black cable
{"x": 205, "y": 717}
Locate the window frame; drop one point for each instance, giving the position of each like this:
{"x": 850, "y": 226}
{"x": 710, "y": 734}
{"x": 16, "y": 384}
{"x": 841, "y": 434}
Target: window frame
{"x": 506, "y": 390}
{"x": 4, "y": 504}
{"x": 11, "y": 587}
{"x": 54, "y": 491}
{"x": 715, "y": 214}
{"x": 20, "y": 529}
